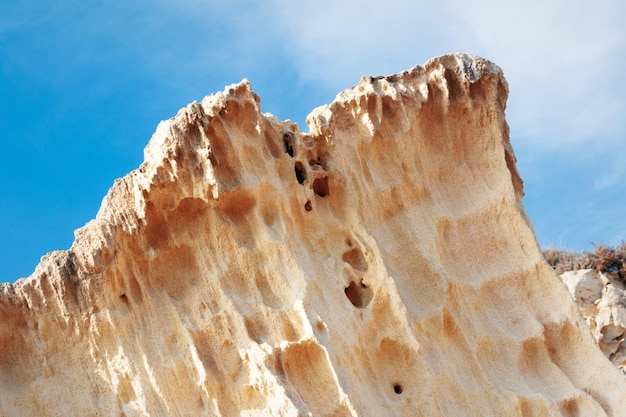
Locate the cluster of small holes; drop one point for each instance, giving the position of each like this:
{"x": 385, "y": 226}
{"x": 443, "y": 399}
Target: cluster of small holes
{"x": 357, "y": 291}
{"x": 320, "y": 185}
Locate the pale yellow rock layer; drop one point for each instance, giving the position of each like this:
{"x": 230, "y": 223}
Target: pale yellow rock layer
{"x": 380, "y": 265}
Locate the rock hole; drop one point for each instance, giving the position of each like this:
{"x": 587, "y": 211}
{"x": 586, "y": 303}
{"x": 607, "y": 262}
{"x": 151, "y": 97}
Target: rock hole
{"x": 354, "y": 257}
{"x": 124, "y": 298}
{"x": 358, "y": 294}
{"x": 288, "y": 142}
{"x": 307, "y": 206}
{"x": 320, "y": 186}
{"x": 320, "y": 326}
{"x": 317, "y": 163}
{"x": 300, "y": 172}
{"x": 397, "y": 388}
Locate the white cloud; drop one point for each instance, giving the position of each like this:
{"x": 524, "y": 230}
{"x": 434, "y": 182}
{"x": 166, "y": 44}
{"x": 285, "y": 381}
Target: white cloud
{"x": 563, "y": 61}
{"x": 338, "y": 41}
{"x": 562, "y": 58}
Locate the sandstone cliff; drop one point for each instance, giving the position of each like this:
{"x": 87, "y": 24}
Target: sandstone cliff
{"x": 380, "y": 265}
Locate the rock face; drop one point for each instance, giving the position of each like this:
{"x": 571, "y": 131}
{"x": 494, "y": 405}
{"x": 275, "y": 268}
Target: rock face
{"x": 602, "y": 302}
{"x": 380, "y": 265}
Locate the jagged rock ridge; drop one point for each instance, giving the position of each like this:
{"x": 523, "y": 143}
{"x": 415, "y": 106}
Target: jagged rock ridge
{"x": 380, "y": 265}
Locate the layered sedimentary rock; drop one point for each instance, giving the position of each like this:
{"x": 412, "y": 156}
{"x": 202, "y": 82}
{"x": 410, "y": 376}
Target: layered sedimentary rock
{"x": 380, "y": 265}
{"x": 602, "y": 302}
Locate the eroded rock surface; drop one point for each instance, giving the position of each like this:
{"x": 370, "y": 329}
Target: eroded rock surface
{"x": 380, "y": 265}
{"x": 602, "y": 301}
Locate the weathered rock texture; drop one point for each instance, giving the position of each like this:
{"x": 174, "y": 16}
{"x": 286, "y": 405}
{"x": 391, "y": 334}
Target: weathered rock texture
{"x": 380, "y": 265}
{"x": 602, "y": 301}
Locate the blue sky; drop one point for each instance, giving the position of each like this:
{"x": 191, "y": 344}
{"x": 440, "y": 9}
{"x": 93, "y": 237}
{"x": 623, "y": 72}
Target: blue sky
{"x": 84, "y": 84}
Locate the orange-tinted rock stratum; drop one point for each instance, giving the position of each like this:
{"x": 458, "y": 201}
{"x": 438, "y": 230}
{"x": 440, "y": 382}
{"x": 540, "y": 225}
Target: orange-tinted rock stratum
{"x": 380, "y": 265}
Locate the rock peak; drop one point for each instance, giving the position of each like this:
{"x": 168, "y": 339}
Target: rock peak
{"x": 381, "y": 264}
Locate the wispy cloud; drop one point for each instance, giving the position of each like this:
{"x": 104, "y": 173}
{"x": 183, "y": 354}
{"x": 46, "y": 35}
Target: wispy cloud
{"x": 562, "y": 58}
{"x": 338, "y": 41}
{"x": 614, "y": 173}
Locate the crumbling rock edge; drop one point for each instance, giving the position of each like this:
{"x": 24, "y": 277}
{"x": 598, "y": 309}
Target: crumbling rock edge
{"x": 381, "y": 264}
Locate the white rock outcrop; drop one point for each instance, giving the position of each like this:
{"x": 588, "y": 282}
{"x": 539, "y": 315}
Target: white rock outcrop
{"x": 380, "y": 265}
{"x": 586, "y": 287}
{"x": 602, "y": 301}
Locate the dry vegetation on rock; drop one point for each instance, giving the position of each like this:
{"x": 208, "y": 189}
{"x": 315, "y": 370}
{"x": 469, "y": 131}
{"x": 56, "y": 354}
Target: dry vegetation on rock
{"x": 596, "y": 282}
{"x": 610, "y": 260}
